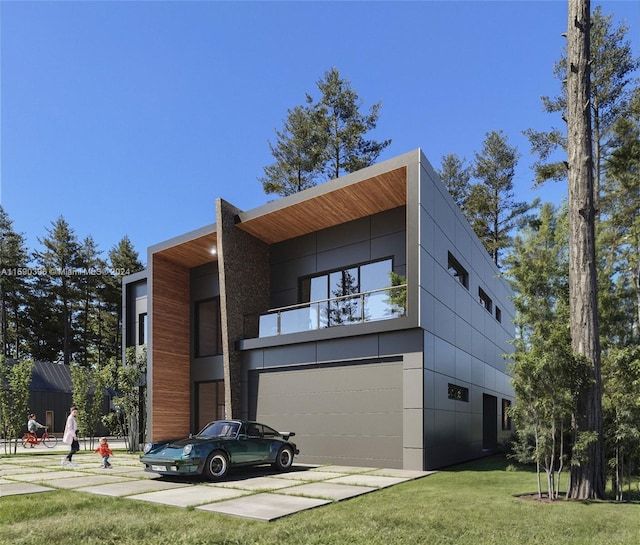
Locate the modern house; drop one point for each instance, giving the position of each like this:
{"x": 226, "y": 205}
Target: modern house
{"x": 364, "y": 314}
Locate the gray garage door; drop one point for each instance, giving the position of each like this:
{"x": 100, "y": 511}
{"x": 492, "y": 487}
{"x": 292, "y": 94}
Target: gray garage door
{"x": 347, "y": 414}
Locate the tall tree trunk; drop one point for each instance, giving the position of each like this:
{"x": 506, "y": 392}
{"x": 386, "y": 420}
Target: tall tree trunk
{"x": 587, "y": 477}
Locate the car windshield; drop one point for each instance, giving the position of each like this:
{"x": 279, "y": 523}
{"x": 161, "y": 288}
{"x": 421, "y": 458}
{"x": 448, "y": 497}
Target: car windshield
{"x": 220, "y": 429}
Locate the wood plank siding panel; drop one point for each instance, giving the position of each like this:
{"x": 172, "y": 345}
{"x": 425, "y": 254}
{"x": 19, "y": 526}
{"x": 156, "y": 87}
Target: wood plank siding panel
{"x": 354, "y": 201}
{"x": 170, "y": 377}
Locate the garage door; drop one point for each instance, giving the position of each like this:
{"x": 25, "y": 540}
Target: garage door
{"x": 346, "y": 414}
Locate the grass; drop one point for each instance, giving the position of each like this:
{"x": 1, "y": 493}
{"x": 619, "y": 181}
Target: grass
{"x": 473, "y": 504}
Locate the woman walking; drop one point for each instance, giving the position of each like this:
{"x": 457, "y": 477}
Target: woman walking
{"x": 70, "y": 437}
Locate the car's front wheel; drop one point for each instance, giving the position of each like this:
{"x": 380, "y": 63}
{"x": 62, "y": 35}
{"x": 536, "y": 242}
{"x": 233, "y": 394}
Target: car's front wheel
{"x": 284, "y": 459}
{"x": 216, "y": 466}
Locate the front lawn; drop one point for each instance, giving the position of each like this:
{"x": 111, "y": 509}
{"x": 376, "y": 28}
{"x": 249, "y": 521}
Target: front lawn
{"x": 472, "y": 504}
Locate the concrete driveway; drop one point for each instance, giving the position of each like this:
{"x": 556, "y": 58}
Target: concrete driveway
{"x": 258, "y": 494}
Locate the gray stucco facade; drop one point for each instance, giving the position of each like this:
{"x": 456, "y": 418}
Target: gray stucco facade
{"x": 420, "y": 389}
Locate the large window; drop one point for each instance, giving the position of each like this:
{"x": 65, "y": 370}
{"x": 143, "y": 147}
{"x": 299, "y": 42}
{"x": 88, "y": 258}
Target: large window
{"x": 355, "y": 294}
{"x": 208, "y": 341}
{"x": 340, "y": 294}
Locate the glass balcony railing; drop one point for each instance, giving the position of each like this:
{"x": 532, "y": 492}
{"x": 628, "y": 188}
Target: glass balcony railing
{"x": 381, "y": 304}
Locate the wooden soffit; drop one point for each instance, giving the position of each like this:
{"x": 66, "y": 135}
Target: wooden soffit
{"x": 350, "y": 202}
{"x": 192, "y": 253}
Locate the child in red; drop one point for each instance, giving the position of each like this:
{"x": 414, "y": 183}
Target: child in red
{"x": 104, "y": 451}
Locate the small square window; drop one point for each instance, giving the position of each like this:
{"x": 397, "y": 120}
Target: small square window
{"x": 459, "y": 393}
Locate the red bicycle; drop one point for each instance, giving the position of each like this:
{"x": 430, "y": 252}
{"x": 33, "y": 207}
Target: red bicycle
{"x": 31, "y": 440}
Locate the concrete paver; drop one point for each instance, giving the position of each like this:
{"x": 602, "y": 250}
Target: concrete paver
{"x": 86, "y": 480}
{"x": 130, "y": 487}
{"x": 48, "y": 476}
{"x": 376, "y": 481}
{"x": 311, "y": 475}
{"x": 259, "y": 483}
{"x": 328, "y": 490}
{"x": 347, "y": 469}
{"x": 265, "y": 506}
{"x": 194, "y": 495}
{"x": 11, "y": 489}
{"x": 261, "y": 494}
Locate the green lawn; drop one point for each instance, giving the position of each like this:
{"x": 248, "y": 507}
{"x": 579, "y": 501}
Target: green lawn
{"x": 471, "y": 504}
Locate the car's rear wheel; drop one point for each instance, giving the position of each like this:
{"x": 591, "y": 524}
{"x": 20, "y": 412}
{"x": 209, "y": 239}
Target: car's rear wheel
{"x": 216, "y": 466}
{"x": 284, "y": 459}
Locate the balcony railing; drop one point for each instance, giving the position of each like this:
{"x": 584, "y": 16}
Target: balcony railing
{"x": 369, "y": 306}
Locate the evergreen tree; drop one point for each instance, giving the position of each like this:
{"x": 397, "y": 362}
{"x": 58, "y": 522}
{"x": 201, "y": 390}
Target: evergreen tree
{"x": 60, "y": 262}
{"x": 123, "y": 260}
{"x": 456, "y": 178}
{"x": 44, "y": 321}
{"x": 587, "y": 468}
{"x": 298, "y": 154}
{"x": 490, "y": 206}
{"x": 612, "y": 69}
{"x": 344, "y": 126}
{"x": 619, "y": 235}
{"x": 324, "y": 137}
{"x": 13, "y": 288}
{"x": 90, "y": 283}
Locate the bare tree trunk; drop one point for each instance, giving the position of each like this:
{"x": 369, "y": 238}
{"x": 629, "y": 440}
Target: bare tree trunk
{"x": 587, "y": 477}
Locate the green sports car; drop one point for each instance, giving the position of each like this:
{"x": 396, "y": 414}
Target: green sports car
{"x": 221, "y": 445}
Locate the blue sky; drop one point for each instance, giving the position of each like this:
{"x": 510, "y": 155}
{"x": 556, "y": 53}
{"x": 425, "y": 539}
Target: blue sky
{"x": 131, "y": 118}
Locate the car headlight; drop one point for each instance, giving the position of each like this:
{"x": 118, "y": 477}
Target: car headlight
{"x": 187, "y": 450}
{"x": 147, "y": 447}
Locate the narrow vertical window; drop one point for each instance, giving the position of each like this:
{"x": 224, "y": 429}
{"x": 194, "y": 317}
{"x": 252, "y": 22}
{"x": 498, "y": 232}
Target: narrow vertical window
{"x": 142, "y": 328}
{"x": 457, "y": 271}
{"x": 506, "y": 417}
{"x": 485, "y": 300}
{"x": 208, "y": 341}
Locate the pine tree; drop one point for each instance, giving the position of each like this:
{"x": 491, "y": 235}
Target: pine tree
{"x": 587, "y": 469}
{"x": 90, "y": 283}
{"x": 13, "y": 288}
{"x": 344, "y": 126}
{"x": 326, "y": 137}
{"x": 490, "y": 206}
{"x": 58, "y": 286}
{"x": 612, "y": 69}
{"x": 456, "y": 178}
{"x": 298, "y": 154}
{"x": 620, "y": 229}
{"x": 123, "y": 260}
